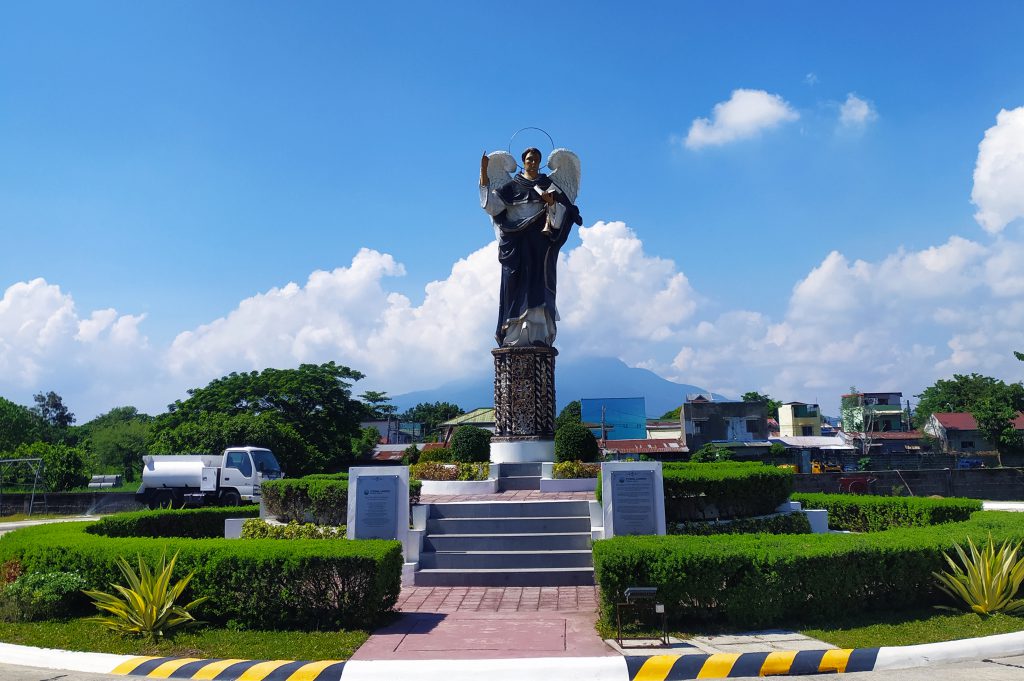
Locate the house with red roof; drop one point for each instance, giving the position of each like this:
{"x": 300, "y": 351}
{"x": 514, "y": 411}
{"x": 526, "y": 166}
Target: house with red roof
{"x": 958, "y": 432}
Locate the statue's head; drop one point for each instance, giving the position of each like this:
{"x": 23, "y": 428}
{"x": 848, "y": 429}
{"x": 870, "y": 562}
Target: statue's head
{"x": 531, "y": 160}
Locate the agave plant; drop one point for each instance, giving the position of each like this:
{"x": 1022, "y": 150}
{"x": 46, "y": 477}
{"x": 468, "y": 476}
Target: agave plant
{"x": 147, "y": 605}
{"x": 988, "y": 579}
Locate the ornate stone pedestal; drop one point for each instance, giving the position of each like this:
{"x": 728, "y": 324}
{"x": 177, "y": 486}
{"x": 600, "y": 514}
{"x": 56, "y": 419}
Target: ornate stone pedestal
{"x": 524, "y": 405}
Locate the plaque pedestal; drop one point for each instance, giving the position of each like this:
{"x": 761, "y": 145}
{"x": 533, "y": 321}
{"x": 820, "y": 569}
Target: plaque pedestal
{"x": 524, "y": 405}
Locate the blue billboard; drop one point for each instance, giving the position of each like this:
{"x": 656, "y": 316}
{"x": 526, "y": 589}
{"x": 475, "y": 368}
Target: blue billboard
{"x": 615, "y": 418}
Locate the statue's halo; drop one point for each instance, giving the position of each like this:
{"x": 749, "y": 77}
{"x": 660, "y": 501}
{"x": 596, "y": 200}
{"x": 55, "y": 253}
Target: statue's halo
{"x": 516, "y": 133}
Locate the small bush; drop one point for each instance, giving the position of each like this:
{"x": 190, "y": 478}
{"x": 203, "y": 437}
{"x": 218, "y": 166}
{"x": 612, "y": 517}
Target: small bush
{"x": 42, "y": 596}
{"x": 711, "y": 453}
{"x": 437, "y": 455}
{"x": 410, "y": 455}
{"x": 254, "y": 528}
{"x": 572, "y": 470}
{"x": 197, "y": 523}
{"x": 575, "y": 442}
{"x": 471, "y": 445}
{"x": 867, "y": 513}
{"x": 456, "y": 471}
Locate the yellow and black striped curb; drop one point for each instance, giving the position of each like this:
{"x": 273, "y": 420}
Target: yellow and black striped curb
{"x": 732, "y": 665}
{"x": 231, "y": 669}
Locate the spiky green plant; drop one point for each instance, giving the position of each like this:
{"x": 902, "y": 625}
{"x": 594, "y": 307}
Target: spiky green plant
{"x": 986, "y": 580}
{"x": 147, "y": 605}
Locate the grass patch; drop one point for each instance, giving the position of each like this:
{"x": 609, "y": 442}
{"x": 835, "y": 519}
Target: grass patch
{"x": 914, "y": 627}
{"x": 77, "y": 634}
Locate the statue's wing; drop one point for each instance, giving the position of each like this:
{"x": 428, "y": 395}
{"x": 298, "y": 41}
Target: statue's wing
{"x": 500, "y": 168}
{"x": 565, "y": 172}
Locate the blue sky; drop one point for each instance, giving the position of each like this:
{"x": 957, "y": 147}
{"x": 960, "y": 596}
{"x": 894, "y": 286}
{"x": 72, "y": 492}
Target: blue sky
{"x": 168, "y": 169}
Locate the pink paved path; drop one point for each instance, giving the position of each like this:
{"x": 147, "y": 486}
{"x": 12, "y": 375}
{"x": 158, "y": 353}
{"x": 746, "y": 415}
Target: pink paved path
{"x": 488, "y": 623}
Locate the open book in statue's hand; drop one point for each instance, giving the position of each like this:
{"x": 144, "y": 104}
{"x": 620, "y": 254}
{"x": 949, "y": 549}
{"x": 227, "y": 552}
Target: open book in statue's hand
{"x": 552, "y": 189}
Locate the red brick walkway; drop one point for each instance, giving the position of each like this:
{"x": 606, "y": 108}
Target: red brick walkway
{"x": 504, "y": 599}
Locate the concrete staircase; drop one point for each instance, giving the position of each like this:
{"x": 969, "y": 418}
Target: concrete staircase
{"x": 527, "y": 543}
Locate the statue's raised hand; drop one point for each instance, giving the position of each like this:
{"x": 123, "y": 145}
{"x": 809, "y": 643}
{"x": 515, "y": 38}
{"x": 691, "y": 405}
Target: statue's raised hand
{"x": 483, "y": 169}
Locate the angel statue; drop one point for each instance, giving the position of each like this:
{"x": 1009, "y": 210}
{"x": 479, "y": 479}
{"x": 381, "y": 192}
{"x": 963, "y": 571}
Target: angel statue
{"x": 532, "y": 215}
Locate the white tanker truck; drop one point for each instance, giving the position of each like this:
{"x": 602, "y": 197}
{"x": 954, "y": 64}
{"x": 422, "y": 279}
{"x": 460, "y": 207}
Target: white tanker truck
{"x": 200, "y": 479}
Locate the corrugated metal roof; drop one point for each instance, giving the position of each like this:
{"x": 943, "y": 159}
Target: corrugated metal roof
{"x": 478, "y": 415}
{"x": 962, "y": 420}
{"x": 646, "y": 445}
{"x": 810, "y": 441}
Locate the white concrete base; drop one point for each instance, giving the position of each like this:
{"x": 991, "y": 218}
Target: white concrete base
{"x": 489, "y": 486}
{"x": 526, "y": 451}
{"x": 409, "y": 574}
{"x": 818, "y": 518}
{"x": 233, "y": 528}
{"x": 568, "y": 484}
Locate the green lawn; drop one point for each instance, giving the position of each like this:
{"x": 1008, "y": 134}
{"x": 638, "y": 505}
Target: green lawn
{"x": 77, "y": 634}
{"x": 923, "y": 626}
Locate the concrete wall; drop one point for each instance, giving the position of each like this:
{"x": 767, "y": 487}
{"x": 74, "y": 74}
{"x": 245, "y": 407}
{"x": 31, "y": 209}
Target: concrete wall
{"x": 996, "y": 484}
{"x": 70, "y": 504}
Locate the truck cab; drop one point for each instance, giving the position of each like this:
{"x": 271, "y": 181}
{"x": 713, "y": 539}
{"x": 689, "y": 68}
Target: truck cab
{"x": 241, "y": 472}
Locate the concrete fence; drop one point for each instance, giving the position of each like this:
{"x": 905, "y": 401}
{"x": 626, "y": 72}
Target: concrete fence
{"x": 996, "y": 484}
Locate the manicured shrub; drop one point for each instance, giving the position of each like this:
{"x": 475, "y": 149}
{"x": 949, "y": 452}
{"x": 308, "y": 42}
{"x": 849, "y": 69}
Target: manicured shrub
{"x": 41, "y": 596}
{"x": 471, "y": 444}
{"x": 572, "y": 470}
{"x": 782, "y": 523}
{"x": 189, "y": 522}
{"x": 865, "y": 513}
{"x": 575, "y": 442}
{"x": 753, "y": 581}
{"x": 436, "y": 455}
{"x": 255, "y": 528}
{"x": 704, "y": 491}
{"x": 256, "y": 583}
{"x": 711, "y": 453}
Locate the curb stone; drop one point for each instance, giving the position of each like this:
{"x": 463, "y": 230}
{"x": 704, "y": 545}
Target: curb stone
{"x": 632, "y": 668}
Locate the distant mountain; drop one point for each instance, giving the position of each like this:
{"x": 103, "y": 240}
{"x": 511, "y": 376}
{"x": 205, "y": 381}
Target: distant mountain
{"x": 586, "y": 377}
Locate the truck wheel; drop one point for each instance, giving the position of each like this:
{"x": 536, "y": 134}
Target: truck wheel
{"x": 230, "y": 498}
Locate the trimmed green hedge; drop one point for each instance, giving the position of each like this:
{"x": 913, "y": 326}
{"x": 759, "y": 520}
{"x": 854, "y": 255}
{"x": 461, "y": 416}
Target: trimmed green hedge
{"x": 197, "y": 523}
{"x": 322, "y": 498}
{"x": 864, "y": 513}
{"x": 763, "y": 580}
{"x": 783, "y": 523}
{"x": 704, "y": 491}
{"x": 255, "y": 583}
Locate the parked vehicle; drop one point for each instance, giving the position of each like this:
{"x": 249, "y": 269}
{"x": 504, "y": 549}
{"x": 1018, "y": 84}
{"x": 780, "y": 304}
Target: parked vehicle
{"x": 200, "y": 479}
{"x": 826, "y": 467}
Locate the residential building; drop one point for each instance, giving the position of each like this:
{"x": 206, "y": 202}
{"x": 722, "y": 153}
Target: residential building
{"x": 481, "y": 417}
{"x": 658, "y": 429}
{"x": 395, "y": 432}
{"x": 704, "y": 421}
{"x": 872, "y": 412}
{"x": 799, "y": 419}
{"x": 957, "y": 432}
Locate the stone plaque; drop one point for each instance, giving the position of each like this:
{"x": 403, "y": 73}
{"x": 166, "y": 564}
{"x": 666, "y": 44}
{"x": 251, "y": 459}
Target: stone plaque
{"x": 376, "y": 501}
{"x": 632, "y": 498}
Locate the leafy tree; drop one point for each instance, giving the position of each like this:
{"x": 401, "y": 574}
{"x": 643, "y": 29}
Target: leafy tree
{"x": 471, "y": 444}
{"x": 575, "y": 442}
{"x": 995, "y": 424}
{"x": 771, "y": 404}
{"x": 1019, "y": 355}
{"x": 50, "y": 407}
{"x": 214, "y": 433}
{"x": 120, "y": 445}
{"x": 63, "y": 466}
{"x": 309, "y": 412}
{"x": 377, "y": 405}
{"x": 410, "y": 455}
{"x": 964, "y": 394}
{"x": 18, "y": 425}
{"x": 710, "y": 453}
{"x": 432, "y": 414}
{"x": 571, "y": 413}
{"x": 672, "y": 415}
{"x": 365, "y": 443}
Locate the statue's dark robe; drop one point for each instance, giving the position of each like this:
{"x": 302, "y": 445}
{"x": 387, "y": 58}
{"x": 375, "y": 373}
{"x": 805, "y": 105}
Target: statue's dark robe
{"x": 528, "y": 258}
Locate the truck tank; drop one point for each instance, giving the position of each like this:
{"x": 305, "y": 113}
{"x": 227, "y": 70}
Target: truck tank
{"x": 176, "y": 471}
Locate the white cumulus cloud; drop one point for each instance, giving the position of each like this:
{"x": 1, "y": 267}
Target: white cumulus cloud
{"x": 745, "y": 114}
{"x": 856, "y": 113}
{"x": 999, "y": 172}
